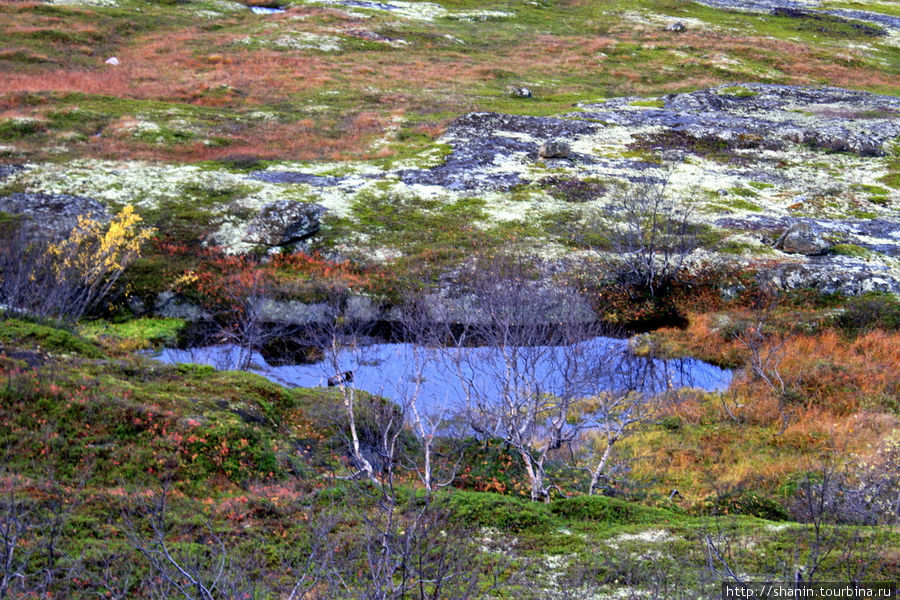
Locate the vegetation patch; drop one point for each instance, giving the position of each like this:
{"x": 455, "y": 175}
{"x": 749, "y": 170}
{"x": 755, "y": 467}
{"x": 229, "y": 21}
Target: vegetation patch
{"x": 828, "y": 25}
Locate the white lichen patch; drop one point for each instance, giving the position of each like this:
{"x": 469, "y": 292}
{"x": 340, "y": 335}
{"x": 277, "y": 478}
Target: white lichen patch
{"x": 519, "y": 135}
{"x": 649, "y": 536}
{"x": 305, "y": 40}
{"x": 93, "y": 3}
{"x": 655, "y": 20}
{"x": 419, "y": 11}
{"x": 144, "y": 185}
{"x": 23, "y": 121}
{"x": 295, "y": 40}
{"x": 423, "y": 11}
{"x": 480, "y": 15}
{"x": 134, "y": 127}
{"x": 261, "y": 115}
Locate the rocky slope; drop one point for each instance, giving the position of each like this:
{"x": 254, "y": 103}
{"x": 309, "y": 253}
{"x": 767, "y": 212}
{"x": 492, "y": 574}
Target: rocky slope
{"x": 802, "y": 179}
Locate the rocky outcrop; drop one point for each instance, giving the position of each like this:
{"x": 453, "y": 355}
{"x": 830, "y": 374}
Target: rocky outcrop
{"x": 801, "y": 239}
{"x": 482, "y": 143}
{"x": 171, "y": 305}
{"x": 797, "y": 8}
{"x": 284, "y": 222}
{"x": 51, "y": 216}
{"x": 834, "y": 275}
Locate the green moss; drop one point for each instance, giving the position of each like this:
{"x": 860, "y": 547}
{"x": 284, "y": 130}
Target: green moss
{"x": 877, "y": 194}
{"x": 892, "y": 179}
{"x": 501, "y": 512}
{"x": 742, "y": 191}
{"x": 143, "y": 332}
{"x": 610, "y": 511}
{"x": 738, "y": 91}
{"x": 850, "y": 250}
{"x": 195, "y": 370}
{"x": 164, "y": 135}
{"x": 760, "y": 185}
{"x": 46, "y": 337}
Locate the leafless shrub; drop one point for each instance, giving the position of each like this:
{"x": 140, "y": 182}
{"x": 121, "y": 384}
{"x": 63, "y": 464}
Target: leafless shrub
{"x": 435, "y": 467}
{"x": 412, "y": 549}
{"x": 33, "y": 559}
{"x": 649, "y": 233}
{"x": 765, "y": 347}
{"x": 535, "y": 378}
{"x": 196, "y": 562}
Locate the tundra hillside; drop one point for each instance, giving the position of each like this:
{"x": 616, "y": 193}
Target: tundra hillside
{"x": 492, "y": 188}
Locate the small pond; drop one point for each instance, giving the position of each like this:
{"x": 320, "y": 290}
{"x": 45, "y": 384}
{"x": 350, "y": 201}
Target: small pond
{"x": 444, "y": 376}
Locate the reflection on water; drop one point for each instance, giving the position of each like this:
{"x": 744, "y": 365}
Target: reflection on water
{"x": 445, "y": 376}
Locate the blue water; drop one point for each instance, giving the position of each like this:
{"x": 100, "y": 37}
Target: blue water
{"x": 446, "y": 376}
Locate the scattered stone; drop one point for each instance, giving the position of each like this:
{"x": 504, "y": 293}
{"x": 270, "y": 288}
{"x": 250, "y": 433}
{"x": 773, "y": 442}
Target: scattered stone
{"x": 677, "y": 27}
{"x": 554, "y": 149}
{"x": 516, "y": 91}
{"x": 801, "y": 239}
{"x": 112, "y": 60}
{"x": 284, "y": 222}
{"x": 51, "y": 217}
{"x": 174, "y": 306}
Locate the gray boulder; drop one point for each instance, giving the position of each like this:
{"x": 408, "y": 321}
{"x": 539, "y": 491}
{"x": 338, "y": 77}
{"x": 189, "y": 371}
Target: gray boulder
{"x": 284, "y": 222}
{"x": 677, "y": 27}
{"x": 518, "y": 91}
{"x": 50, "y": 217}
{"x": 554, "y": 149}
{"x": 800, "y": 239}
{"x": 174, "y": 306}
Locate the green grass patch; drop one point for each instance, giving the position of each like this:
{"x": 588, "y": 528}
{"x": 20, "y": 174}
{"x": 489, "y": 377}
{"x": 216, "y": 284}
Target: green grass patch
{"x": 760, "y": 185}
{"x": 738, "y": 91}
{"x": 741, "y": 204}
{"x": 14, "y": 129}
{"x": 652, "y": 103}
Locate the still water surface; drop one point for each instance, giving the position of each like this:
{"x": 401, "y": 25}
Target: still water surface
{"x": 444, "y": 376}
